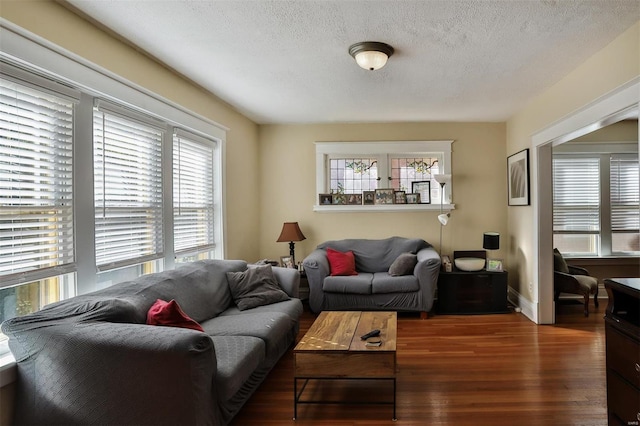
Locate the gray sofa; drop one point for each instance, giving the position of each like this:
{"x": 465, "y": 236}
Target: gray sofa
{"x": 92, "y": 359}
{"x": 373, "y": 288}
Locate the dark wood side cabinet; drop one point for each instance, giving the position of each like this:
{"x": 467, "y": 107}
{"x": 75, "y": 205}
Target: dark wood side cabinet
{"x": 622, "y": 330}
{"x": 481, "y": 292}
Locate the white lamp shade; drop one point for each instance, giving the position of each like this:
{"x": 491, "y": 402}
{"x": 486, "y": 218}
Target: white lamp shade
{"x": 444, "y": 218}
{"x": 443, "y": 179}
{"x": 371, "y": 60}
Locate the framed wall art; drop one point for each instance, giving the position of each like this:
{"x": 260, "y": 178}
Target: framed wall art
{"x": 518, "y": 178}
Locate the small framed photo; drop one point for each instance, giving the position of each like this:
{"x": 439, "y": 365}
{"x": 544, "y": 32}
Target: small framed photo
{"x": 286, "y": 261}
{"x": 368, "y": 197}
{"x": 340, "y": 199}
{"x": 494, "y": 265}
{"x": 424, "y": 189}
{"x": 384, "y": 196}
{"x": 400, "y": 197}
{"x": 325, "y": 199}
{"x": 354, "y": 199}
{"x": 518, "y": 178}
{"x": 413, "y": 198}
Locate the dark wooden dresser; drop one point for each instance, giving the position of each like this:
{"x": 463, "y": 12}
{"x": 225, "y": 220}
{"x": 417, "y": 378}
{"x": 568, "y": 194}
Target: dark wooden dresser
{"x": 622, "y": 329}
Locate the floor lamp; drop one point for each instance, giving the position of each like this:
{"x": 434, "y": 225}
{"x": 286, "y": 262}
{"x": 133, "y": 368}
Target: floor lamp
{"x": 443, "y": 218}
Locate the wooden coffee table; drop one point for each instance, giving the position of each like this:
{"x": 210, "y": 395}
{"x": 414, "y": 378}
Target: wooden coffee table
{"x": 332, "y": 350}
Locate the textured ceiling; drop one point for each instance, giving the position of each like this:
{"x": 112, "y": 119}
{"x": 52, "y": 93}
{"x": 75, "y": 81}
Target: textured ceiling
{"x": 287, "y": 61}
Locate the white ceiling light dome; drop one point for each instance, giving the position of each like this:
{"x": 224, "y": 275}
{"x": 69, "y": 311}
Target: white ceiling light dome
{"x": 371, "y": 55}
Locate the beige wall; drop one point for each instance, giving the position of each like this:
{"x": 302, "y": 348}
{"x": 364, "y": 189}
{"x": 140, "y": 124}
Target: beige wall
{"x": 616, "y": 64}
{"x": 46, "y": 18}
{"x": 287, "y": 162}
{"x": 622, "y": 131}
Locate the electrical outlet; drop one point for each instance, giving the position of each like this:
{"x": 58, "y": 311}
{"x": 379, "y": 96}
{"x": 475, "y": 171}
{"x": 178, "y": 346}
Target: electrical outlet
{"x": 530, "y": 287}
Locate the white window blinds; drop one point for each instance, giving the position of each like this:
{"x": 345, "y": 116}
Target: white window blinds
{"x": 128, "y": 187}
{"x": 576, "y": 195}
{"x": 36, "y": 177}
{"x": 193, "y": 193}
{"x": 625, "y": 204}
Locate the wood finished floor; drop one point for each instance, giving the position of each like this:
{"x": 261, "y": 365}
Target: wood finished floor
{"x": 491, "y": 370}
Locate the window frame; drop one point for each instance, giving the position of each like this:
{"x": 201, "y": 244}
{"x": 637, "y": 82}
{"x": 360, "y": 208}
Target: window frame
{"x": 603, "y": 152}
{"x": 149, "y": 196}
{"x": 383, "y": 150}
{"x": 209, "y": 145}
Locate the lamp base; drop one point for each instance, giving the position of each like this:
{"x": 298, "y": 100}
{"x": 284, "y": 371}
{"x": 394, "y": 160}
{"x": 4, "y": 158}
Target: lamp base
{"x": 292, "y": 251}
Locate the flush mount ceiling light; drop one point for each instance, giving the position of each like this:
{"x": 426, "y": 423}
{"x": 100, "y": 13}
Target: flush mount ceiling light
{"x": 371, "y": 55}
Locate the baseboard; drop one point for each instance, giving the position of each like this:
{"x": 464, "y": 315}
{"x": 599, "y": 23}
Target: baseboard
{"x": 527, "y": 307}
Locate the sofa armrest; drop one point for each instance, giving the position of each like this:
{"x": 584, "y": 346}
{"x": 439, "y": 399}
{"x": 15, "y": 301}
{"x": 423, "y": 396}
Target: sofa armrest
{"x": 577, "y": 270}
{"x": 316, "y": 266}
{"x": 122, "y": 373}
{"x": 289, "y": 280}
{"x": 427, "y": 270}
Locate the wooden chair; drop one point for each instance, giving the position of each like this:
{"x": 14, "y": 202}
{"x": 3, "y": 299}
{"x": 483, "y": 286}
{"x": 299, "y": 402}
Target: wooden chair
{"x": 574, "y": 280}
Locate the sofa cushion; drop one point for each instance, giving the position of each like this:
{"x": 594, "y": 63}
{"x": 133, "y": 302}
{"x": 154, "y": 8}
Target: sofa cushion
{"x": 169, "y": 314}
{"x": 292, "y": 307}
{"x": 385, "y": 283}
{"x": 272, "y": 327}
{"x": 341, "y": 263}
{"x": 255, "y": 287}
{"x": 237, "y": 358}
{"x": 403, "y": 265}
{"x": 587, "y": 283}
{"x": 358, "y": 284}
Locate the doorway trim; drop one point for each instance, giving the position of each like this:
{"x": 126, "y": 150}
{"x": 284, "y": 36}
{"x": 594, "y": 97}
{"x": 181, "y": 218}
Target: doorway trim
{"x": 620, "y": 103}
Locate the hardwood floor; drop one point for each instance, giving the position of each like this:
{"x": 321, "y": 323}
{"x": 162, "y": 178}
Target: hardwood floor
{"x": 463, "y": 370}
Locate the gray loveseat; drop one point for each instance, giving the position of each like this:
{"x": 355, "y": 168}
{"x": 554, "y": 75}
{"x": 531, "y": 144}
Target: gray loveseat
{"x": 92, "y": 359}
{"x": 373, "y": 288}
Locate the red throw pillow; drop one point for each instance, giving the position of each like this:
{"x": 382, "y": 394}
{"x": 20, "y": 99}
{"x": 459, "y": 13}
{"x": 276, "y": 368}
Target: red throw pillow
{"x": 169, "y": 314}
{"x": 341, "y": 263}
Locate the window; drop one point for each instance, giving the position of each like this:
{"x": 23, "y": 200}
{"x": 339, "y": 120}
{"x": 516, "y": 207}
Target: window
{"x": 128, "y": 188}
{"x": 405, "y": 170}
{"x": 576, "y": 204}
{"x": 353, "y": 175}
{"x": 354, "y": 167}
{"x": 55, "y": 235}
{"x": 193, "y": 197}
{"x": 625, "y": 204}
{"x": 36, "y": 193}
{"x": 595, "y": 204}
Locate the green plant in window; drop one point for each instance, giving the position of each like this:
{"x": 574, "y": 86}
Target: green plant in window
{"x": 340, "y": 189}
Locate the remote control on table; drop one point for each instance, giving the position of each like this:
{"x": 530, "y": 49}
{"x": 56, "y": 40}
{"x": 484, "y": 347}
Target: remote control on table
{"x": 372, "y": 333}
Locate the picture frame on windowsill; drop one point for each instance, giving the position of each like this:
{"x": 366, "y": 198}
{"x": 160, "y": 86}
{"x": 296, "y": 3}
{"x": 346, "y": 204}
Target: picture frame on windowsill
{"x": 384, "y": 196}
{"x": 424, "y": 189}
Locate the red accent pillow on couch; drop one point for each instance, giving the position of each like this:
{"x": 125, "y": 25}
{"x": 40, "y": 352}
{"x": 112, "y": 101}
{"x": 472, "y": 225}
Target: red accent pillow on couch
{"x": 341, "y": 263}
{"x": 169, "y": 314}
